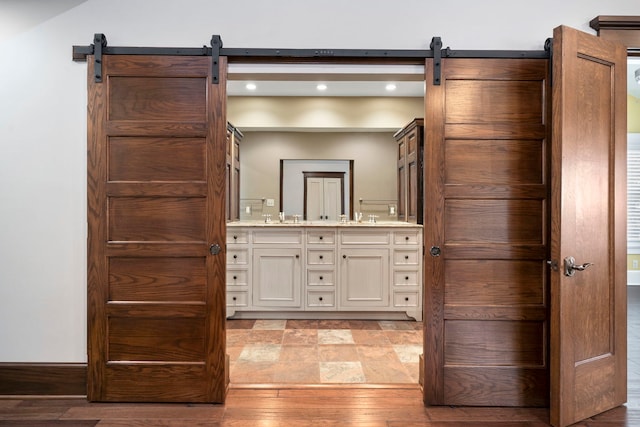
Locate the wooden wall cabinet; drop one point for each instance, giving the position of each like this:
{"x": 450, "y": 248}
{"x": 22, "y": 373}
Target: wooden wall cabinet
{"x": 410, "y": 141}
{"x": 234, "y": 136}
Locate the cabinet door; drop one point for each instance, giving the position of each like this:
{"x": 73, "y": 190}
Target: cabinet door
{"x": 364, "y": 277}
{"x": 332, "y": 196}
{"x": 402, "y": 180}
{"x": 315, "y": 199}
{"x": 229, "y": 192}
{"x": 235, "y": 177}
{"x": 277, "y": 277}
{"x": 413, "y": 172}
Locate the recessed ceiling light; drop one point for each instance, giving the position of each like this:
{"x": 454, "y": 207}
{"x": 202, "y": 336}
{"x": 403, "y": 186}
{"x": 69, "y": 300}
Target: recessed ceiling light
{"x": 321, "y": 86}
{"x": 251, "y": 86}
{"x": 390, "y": 87}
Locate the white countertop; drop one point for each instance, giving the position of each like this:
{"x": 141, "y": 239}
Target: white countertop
{"x": 290, "y": 223}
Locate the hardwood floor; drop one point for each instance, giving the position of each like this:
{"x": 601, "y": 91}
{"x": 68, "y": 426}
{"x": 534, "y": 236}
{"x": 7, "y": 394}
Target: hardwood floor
{"x": 317, "y": 405}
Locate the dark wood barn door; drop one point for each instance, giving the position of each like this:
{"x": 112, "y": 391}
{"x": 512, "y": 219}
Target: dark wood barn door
{"x": 156, "y": 202}
{"x": 588, "y": 304}
{"x": 487, "y": 233}
{"x": 502, "y": 327}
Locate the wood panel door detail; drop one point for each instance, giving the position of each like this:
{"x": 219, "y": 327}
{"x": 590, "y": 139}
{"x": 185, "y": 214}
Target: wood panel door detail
{"x": 156, "y": 201}
{"x": 486, "y": 222}
{"x": 588, "y": 308}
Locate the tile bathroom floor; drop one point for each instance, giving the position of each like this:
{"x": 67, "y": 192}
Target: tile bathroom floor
{"x": 323, "y": 351}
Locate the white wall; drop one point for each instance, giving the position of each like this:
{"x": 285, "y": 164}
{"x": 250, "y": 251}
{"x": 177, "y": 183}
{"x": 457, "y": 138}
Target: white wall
{"x": 323, "y": 113}
{"x": 43, "y": 113}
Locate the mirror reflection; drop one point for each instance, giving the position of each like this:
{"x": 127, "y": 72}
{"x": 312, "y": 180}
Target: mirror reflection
{"x": 290, "y": 127}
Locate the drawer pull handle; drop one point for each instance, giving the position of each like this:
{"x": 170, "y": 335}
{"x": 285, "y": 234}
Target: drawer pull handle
{"x": 235, "y": 257}
{"x": 321, "y": 256}
{"x": 406, "y": 298}
{"x": 406, "y": 238}
{"x": 320, "y": 237}
{"x": 297, "y": 256}
{"x": 320, "y": 299}
{"x": 235, "y": 277}
{"x": 320, "y": 277}
{"x": 344, "y": 256}
{"x": 235, "y": 237}
{"x": 406, "y": 257}
{"x": 406, "y": 277}
{"x": 234, "y": 298}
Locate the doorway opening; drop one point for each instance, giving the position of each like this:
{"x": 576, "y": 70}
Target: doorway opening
{"x": 285, "y": 115}
{"x": 293, "y": 183}
{"x": 323, "y": 195}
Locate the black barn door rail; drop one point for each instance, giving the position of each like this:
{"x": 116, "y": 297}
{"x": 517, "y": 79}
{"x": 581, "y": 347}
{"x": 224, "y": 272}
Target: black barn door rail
{"x": 100, "y": 48}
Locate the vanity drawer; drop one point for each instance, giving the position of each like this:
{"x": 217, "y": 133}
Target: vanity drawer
{"x": 320, "y": 278}
{"x": 237, "y": 299}
{"x": 321, "y": 257}
{"x": 405, "y": 299}
{"x": 321, "y": 237}
{"x": 237, "y": 256}
{"x": 364, "y": 236}
{"x": 406, "y": 237}
{"x": 237, "y": 236}
{"x": 405, "y": 278}
{"x": 280, "y": 236}
{"x": 237, "y": 277}
{"x": 406, "y": 257}
{"x": 321, "y": 299}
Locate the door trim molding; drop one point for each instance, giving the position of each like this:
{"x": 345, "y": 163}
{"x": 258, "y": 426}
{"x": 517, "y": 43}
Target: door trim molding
{"x": 624, "y": 29}
{"x": 43, "y": 379}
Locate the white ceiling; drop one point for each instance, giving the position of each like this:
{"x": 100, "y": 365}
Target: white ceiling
{"x": 334, "y": 88}
{"x": 340, "y": 80}
{"x": 278, "y": 80}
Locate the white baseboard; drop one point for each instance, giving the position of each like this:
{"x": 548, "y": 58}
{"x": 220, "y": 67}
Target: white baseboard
{"x": 633, "y": 277}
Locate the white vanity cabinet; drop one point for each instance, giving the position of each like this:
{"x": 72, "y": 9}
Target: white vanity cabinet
{"x": 321, "y": 269}
{"x": 364, "y": 268}
{"x": 238, "y": 270}
{"x": 277, "y": 269}
{"x": 277, "y": 278}
{"x": 364, "y": 278}
{"x": 407, "y": 271}
{"x": 325, "y": 270}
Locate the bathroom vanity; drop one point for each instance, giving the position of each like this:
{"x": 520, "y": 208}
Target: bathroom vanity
{"x": 324, "y": 270}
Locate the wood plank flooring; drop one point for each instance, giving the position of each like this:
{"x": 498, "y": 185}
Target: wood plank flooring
{"x": 317, "y": 405}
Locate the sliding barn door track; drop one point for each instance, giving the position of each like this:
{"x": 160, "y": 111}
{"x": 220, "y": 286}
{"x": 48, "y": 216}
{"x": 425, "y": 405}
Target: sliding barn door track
{"x": 99, "y": 48}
